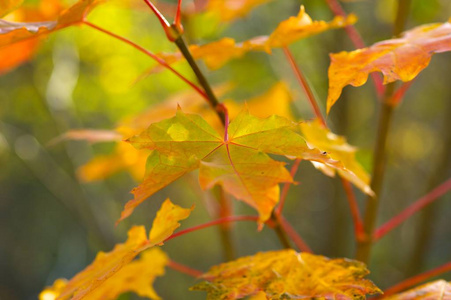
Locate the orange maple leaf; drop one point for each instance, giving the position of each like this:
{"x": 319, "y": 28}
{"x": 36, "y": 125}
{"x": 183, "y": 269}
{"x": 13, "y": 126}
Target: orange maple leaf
{"x": 398, "y": 59}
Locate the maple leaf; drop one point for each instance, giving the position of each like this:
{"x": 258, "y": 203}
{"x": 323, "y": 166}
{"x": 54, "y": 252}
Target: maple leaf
{"x": 17, "y": 53}
{"x": 108, "y": 264}
{"x": 217, "y": 53}
{"x": 439, "y": 289}
{"x": 398, "y": 59}
{"x": 276, "y": 100}
{"x": 286, "y": 274}
{"x": 336, "y": 147}
{"x": 13, "y": 32}
{"x": 229, "y": 10}
{"x": 238, "y": 161}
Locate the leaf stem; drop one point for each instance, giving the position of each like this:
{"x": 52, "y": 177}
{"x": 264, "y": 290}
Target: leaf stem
{"x": 150, "y": 54}
{"x": 357, "y": 40}
{"x": 211, "y": 98}
{"x": 280, "y": 230}
{"x": 286, "y": 188}
{"x": 294, "y": 236}
{"x": 184, "y": 269}
{"x": 358, "y": 227}
{"x": 413, "y": 208}
{"x": 304, "y": 84}
{"x": 417, "y": 279}
{"x": 212, "y": 223}
{"x": 385, "y": 119}
{"x": 164, "y": 23}
{"x": 355, "y": 213}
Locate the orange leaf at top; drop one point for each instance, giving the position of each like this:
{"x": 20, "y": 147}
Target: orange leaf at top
{"x": 439, "y": 289}
{"x": 13, "y": 32}
{"x": 229, "y": 10}
{"x": 286, "y": 274}
{"x": 8, "y": 5}
{"x": 239, "y": 163}
{"x": 398, "y": 59}
{"x": 106, "y": 265}
{"x": 217, "y": 53}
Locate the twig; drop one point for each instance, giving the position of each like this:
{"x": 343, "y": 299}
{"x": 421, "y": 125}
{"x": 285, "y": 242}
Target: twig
{"x": 355, "y": 213}
{"x": 413, "y": 208}
{"x": 286, "y": 188}
{"x": 150, "y": 54}
{"x": 294, "y": 236}
{"x": 417, "y": 279}
{"x": 184, "y": 269}
{"x": 213, "y": 223}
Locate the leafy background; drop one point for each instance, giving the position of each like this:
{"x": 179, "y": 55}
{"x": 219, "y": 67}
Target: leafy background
{"x": 52, "y": 224}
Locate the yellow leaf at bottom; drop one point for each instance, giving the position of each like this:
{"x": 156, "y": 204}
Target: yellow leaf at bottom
{"x": 100, "y": 280}
{"x": 439, "y": 289}
{"x": 287, "y": 274}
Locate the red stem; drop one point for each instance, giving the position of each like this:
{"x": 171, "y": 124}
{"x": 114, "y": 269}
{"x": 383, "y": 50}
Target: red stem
{"x": 150, "y": 54}
{"x": 212, "y": 223}
{"x": 356, "y": 217}
{"x": 294, "y": 236}
{"x": 413, "y": 208}
{"x": 178, "y": 15}
{"x": 357, "y": 40}
{"x": 358, "y": 225}
{"x": 399, "y": 94}
{"x": 303, "y": 82}
{"x": 164, "y": 23}
{"x": 184, "y": 269}
{"x": 221, "y": 107}
{"x": 416, "y": 279}
{"x": 286, "y": 188}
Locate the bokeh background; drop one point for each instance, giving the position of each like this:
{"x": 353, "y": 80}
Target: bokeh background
{"x": 52, "y": 223}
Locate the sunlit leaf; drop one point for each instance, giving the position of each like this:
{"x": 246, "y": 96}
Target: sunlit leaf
{"x": 238, "y": 161}
{"x": 229, "y": 10}
{"x": 13, "y": 32}
{"x": 398, "y": 59}
{"x": 439, "y": 289}
{"x": 217, "y": 53}
{"x": 286, "y": 274}
{"x": 101, "y": 277}
{"x": 337, "y": 148}
{"x": 8, "y": 5}
{"x": 17, "y": 53}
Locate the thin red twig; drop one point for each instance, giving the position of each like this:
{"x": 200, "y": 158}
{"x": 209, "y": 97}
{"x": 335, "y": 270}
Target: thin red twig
{"x": 286, "y": 188}
{"x": 400, "y": 92}
{"x": 184, "y": 269}
{"x": 294, "y": 236}
{"x": 358, "y": 42}
{"x": 416, "y": 279}
{"x": 355, "y": 213}
{"x": 358, "y": 225}
{"x": 304, "y": 84}
{"x": 150, "y": 54}
{"x": 164, "y": 23}
{"x": 411, "y": 209}
{"x": 212, "y": 223}
{"x": 178, "y": 15}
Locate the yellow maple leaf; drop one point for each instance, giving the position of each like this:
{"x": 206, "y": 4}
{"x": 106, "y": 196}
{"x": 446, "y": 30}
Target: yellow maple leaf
{"x": 8, "y": 5}
{"x": 337, "y": 148}
{"x": 398, "y": 59}
{"x": 286, "y": 274}
{"x": 107, "y": 265}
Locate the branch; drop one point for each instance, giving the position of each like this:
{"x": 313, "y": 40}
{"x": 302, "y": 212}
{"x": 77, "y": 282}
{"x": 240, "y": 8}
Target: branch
{"x": 417, "y": 279}
{"x": 355, "y": 213}
{"x": 413, "y": 208}
{"x": 295, "y": 237}
{"x": 286, "y": 188}
{"x": 148, "y": 53}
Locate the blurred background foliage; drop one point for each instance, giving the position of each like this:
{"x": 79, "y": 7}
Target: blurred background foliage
{"x": 52, "y": 223}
